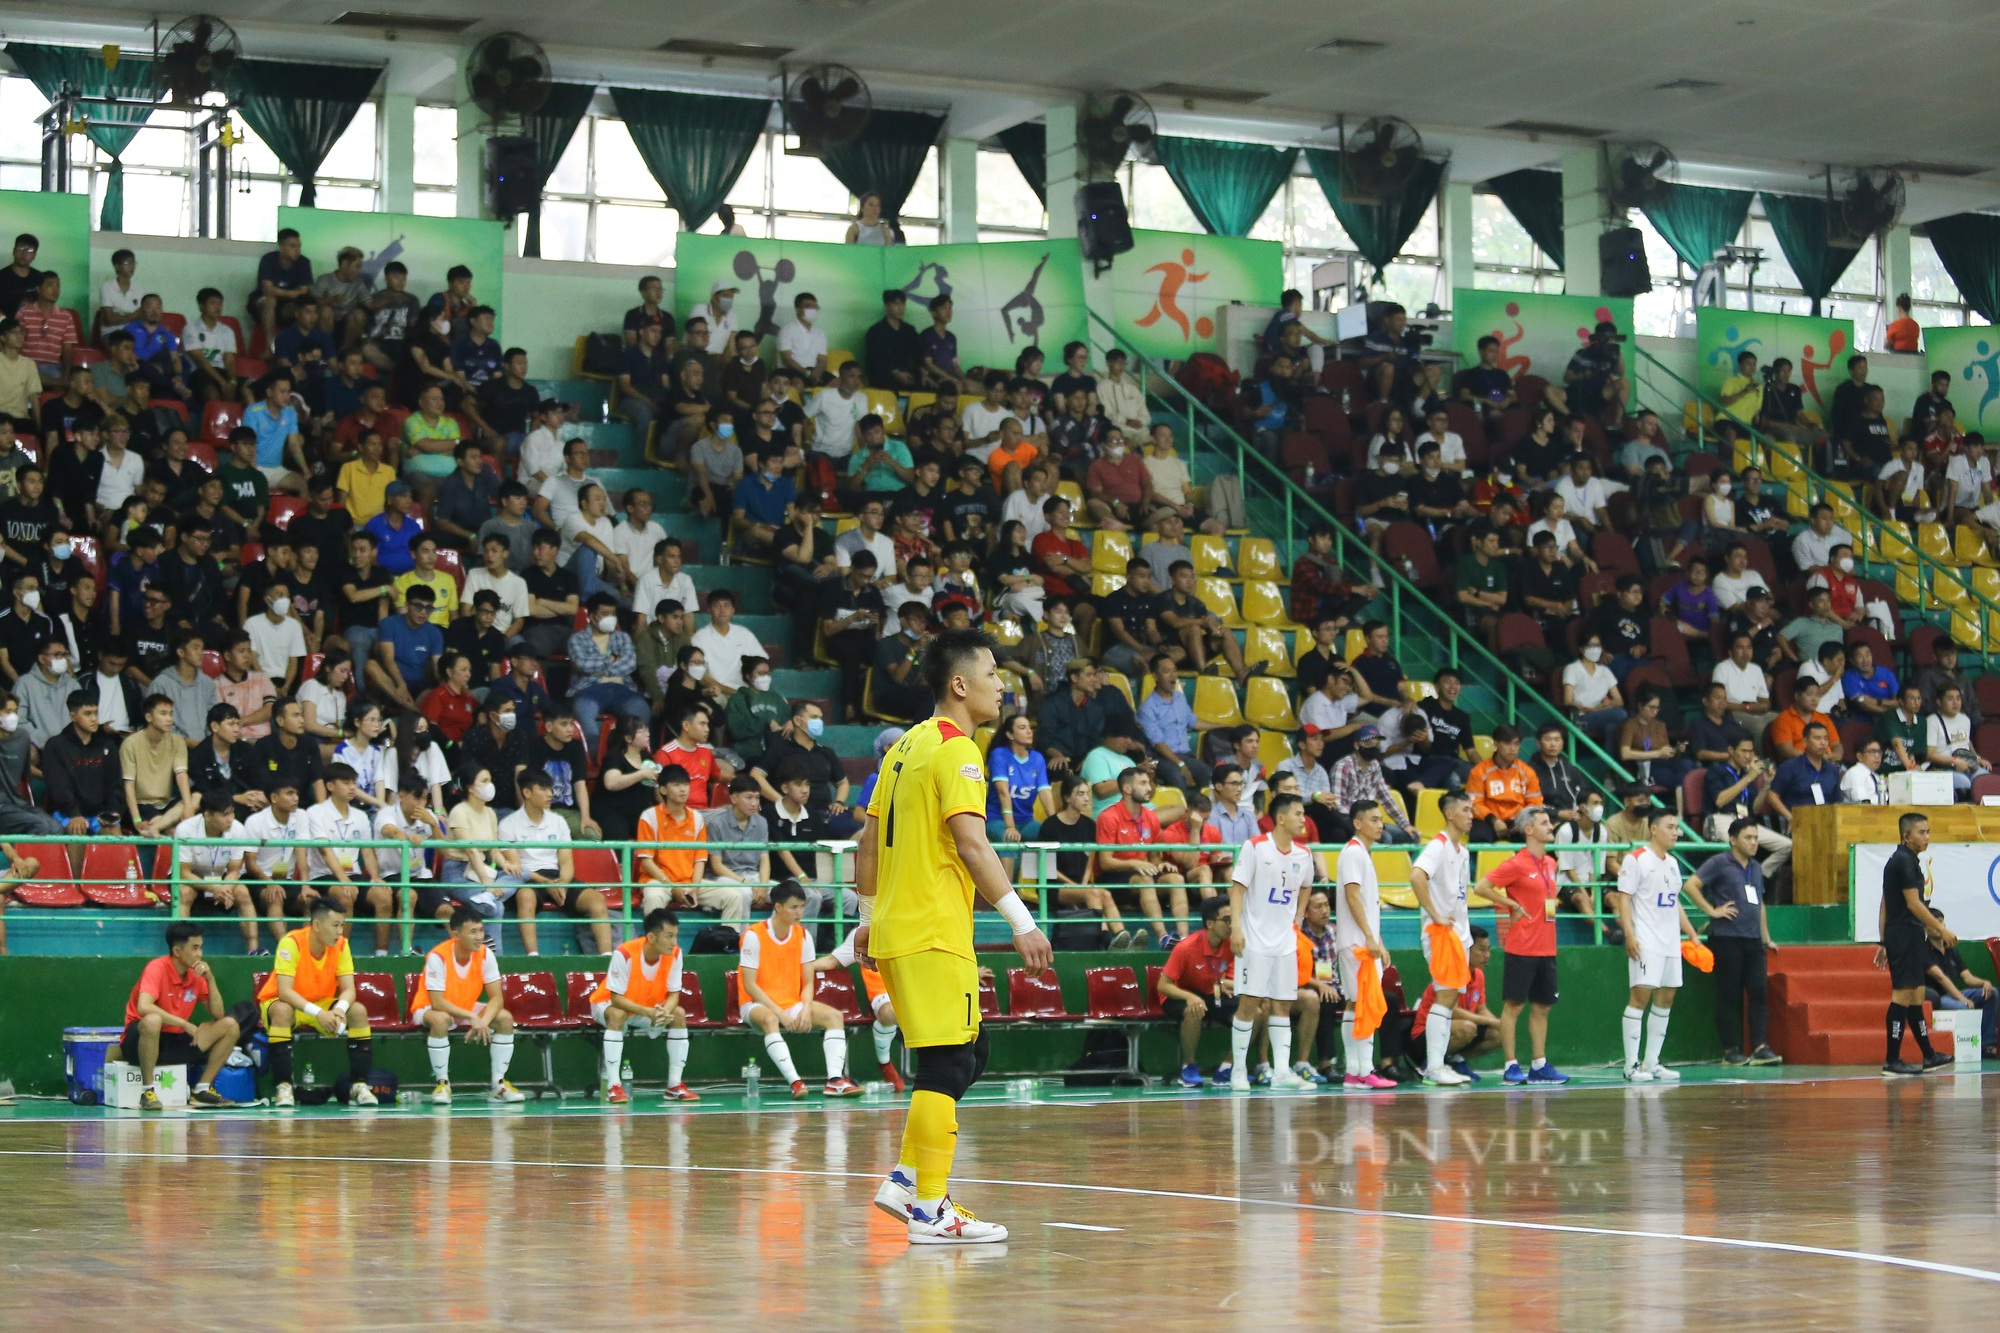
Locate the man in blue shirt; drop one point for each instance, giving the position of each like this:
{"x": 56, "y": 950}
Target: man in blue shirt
{"x": 405, "y": 648}
{"x": 1813, "y": 778}
{"x": 465, "y": 499}
{"x": 394, "y": 529}
{"x": 306, "y": 350}
{"x": 280, "y": 446}
{"x": 763, "y": 505}
{"x": 477, "y": 355}
{"x": 1171, "y": 726}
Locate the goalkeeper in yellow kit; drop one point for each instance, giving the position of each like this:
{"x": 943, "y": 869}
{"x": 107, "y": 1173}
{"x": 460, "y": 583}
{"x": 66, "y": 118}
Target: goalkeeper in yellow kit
{"x": 923, "y": 854}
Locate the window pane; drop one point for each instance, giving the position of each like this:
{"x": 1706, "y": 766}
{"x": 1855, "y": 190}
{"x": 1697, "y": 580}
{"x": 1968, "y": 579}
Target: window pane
{"x": 1660, "y": 257}
{"x": 1863, "y": 313}
{"x": 1313, "y": 224}
{"x": 1271, "y": 226}
{"x": 1488, "y": 280}
{"x": 347, "y": 198}
{"x": 437, "y": 203}
{"x": 253, "y": 211}
{"x": 1776, "y": 270}
{"x": 1156, "y": 201}
{"x": 920, "y": 233}
{"x": 1497, "y": 238}
{"x": 572, "y": 173}
{"x": 748, "y": 192}
{"x": 20, "y": 178}
{"x": 804, "y": 184}
{"x": 20, "y": 132}
{"x": 1413, "y": 285}
{"x": 253, "y": 154}
{"x": 621, "y": 172}
{"x": 1928, "y": 279}
{"x": 437, "y": 147}
{"x": 923, "y": 200}
{"x": 1004, "y": 197}
{"x": 1859, "y": 277}
{"x": 158, "y": 146}
{"x": 565, "y": 228}
{"x": 810, "y": 229}
{"x": 1933, "y": 316}
{"x": 1657, "y": 314}
{"x": 1424, "y": 240}
{"x": 354, "y": 153}
{"x": 634, "y": 234}
{"x": 155, "y": 205}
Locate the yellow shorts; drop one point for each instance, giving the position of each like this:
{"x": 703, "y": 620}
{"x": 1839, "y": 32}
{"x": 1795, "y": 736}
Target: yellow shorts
{"x": 300, "y": 1019}
{"x": 936, "y": 995}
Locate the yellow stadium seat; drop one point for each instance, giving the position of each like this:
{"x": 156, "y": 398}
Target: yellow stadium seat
{"x": 1103, "y": 584}
{"x": 1264, "y": 604}
{"x": 1487, "y": 861}
{"x": 1266, "y": 703}
{"x": 1267, "y": 645}
{"x": 1006, "y": 631}
{"x": 1797, "y": 503}
{"x": 1430, "y": 814}
{"x": 920, "y": 400}
{"x": 1273, "y": 748}
{"x": 1986, "y": 582}
{"x": 1392, "y": 874}
{"x": 1483, "y": 746}
{"x": 1696, "y": 414}
{"x": 841, "y": 525}
{"x": 1965, "y": 631}
{"x": 883, "y": 403}
{"x": 1217, "y": 596}
{"x": 1844, "y": 511}
{"x": 1110, "y": 551}
{"x": 1119, "y": 681}
{"x": 1908, "y": 587}
{"x": 1257, "y": 558}
{"x": 1948, "y": 589}
{"x": 1169, "y": 798}
{"x": 1073, "y": 493}
{"x": 1011, "y": 680}
{"x": 1351, "y": 647}
{"x": 1784, "y": 464}
{"x": 982, "y": 736}
{"x": 1969, "y": 547}
{"x": 870, "y": 709}
{"x": 1210, "y": 553}
{"x": 1215, "y": 701}
{"x": 1044, "y": 805}
{"x": 1420, "y": 689}
{"x": 837, "y": 358}
{"x": 1934, "y": 541}
{"x": 1893, "y": 542}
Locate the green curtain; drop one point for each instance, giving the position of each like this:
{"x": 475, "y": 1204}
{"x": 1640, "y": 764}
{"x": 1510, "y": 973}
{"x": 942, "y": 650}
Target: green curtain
{"x": 111, "y": 128}
{"x": 1800, "y": 224}
{"x": 695, "y": 145}
{"x": 887, "y": 158}
{"x": 552, "y": 128}
{"x": 1378, "y": 229}
{"x": 300, "y": 109}
{"x": 1697, "y": 221}
{"x": 1227, "y": 185}
{"x": 1535, "y": 198}
{"x": 1028, "y": 144}
{"x": 1968, "y": 245}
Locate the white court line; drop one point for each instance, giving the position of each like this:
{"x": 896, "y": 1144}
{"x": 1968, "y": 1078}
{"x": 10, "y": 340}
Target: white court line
{"x": 1080, "y": 1226}
{"x": 1444, "y": 1219}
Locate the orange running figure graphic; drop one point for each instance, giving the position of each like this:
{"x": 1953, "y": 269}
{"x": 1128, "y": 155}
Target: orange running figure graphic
{"x": 1172, "y": 277}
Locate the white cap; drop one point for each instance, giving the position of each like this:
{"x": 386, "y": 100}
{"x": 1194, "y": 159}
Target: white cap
{"x": 721, "y": 285}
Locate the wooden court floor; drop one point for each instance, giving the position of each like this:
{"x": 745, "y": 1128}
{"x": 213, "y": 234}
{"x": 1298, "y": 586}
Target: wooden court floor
{"x": 1834, "y": 1202}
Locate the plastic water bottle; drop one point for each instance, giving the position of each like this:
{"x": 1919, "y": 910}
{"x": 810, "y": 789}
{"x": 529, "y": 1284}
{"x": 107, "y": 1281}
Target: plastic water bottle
{"x": 1409, "y": 569}
{"x": 625, "y": 1071}
{"x": 409, "y": 1097}
{"x": 1020, "y": 1090}
{"x": 750, "y": 1075}
{"x": 1309, "y": 475}
{"x": 1346, "y": 398}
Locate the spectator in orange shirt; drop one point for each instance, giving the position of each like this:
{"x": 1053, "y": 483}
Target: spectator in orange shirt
{"x": 1787, "y": 734}
{"x": 1119, "y": 487}
{"x": 1902, "y": 335}
{"x": 1011, "y": 456}
{"x": 1502, "y": 787}
{"x": 668, "y": 875}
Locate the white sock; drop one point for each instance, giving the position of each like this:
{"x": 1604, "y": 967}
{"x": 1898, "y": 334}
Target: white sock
{"x": 1280, "y": 1028}
{"x": 1239, "y": 1045}
{"x": 835, "y": 1044}
{"x": 1349, "y": 1044}
{"x": 614, "y": 1056}
{"x": 1365, "y": 1055}
{"x": 1537, "y": 1062}
{"x": 503, "y": 1055}
{"x": 781, "y": 1055}
{"x": 439, "y": 1050}
{"x": 677, "y": 1055}
{"x": 885, "y": 1041}
{"x": 1635, "y": 1019}
{"x": 1437, "y": 1036}
{"x": 1656, "y": 1034}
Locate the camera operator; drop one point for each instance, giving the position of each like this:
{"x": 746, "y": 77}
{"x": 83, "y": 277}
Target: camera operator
{"x": 1594, "y": 381}
{"x": 1742, "y": 394}
{"x": 1784, "y": 409}
{"x": 1732, "y": 790}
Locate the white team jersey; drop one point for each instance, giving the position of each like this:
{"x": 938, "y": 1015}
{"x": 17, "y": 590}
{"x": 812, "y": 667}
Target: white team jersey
{"x": 1356, "y": 866}
{"x": 1274, "y": 885}
{"x": 843, "y": 952}
{"x": 618, "y": 976}
{"x": 208, "y": 862}
{"x": 1447, "y": 864}
{"x": 274, "y": 857}
{"x": 1654, "y": 885}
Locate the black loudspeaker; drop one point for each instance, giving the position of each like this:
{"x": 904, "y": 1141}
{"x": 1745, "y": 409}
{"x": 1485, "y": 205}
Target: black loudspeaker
{"x": 1102, "y": 227}
{"x": 513, "y": 185}
{"x": 1621, "y": 263}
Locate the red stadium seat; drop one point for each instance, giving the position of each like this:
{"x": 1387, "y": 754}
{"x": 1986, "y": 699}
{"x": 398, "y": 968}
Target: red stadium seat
{"x": 113, "y": 877}
{"x": 597, "y": 868}
{"x": 91, "y": 553}
{"x": 577, "y": 987}
{"x": 377, "y": 990}
{"x": 410, "y": 983}
{"x": 733, "y": 1012}
{"x": 284, "y": 508}
{"x": 252, "y": 368}
{"x": 1112, "y": 993}
{"x": 1035, "y": 995}
{"x": 202, "y": 452}
{"x": 535, "y": 1001}
{"x": 693, "y": 1003}
{"x": 1154, "y": 1009}
{"x": 452, "y": 563}
{"x": 837, "y": 990}
{"x": 218, "y": 419}
{"x": 989, "y": 1003}
{"x": 53, "y": 884}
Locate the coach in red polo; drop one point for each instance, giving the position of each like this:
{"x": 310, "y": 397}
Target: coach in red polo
{"x": 1528, "y": 878}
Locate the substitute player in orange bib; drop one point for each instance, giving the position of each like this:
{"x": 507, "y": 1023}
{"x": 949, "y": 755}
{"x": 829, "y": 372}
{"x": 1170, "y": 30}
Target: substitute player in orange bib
{"x": 641, "y": 995}
{"x": 776, "y": 963}
{"x": 923, "y": 854}
{"x": 461, "y": 989}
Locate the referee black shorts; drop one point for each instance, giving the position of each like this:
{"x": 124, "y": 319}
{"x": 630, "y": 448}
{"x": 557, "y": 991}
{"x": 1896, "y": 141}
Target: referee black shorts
{"x": 1529, "y": 979}
{"x": 1909, "y": 955}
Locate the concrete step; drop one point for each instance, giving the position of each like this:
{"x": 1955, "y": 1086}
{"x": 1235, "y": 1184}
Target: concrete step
{"x": 852, "y": 742}
{"x": 1829, "y": 987}
{"x": 1822, "y": 958}
{"x": 797, "y": 683}
{"x": 590, "y": 396}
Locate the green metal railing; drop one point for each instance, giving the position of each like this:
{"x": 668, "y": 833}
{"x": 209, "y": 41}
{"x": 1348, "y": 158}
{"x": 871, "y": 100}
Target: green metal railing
{"x": 1877, "y": 541}
{"x": 1409, "y": 607}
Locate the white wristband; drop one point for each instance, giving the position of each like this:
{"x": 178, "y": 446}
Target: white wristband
{"x": 341, "y": 1007}
{"x": 1017, "y": 913}
{"x": 312, "y": 1010}
{"x": 866, "y": 911}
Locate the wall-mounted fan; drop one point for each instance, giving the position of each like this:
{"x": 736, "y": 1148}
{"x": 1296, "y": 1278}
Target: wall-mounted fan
{"x": 1867, "y": 204}
{"x": 1111, "y": 128}
{"x": 1378, "y": 159}
{"x": 507, "y": 76}
{"x": 826, "y": 106}
{"x": 195, "y": 58}
{"x": 1637, "y": 175}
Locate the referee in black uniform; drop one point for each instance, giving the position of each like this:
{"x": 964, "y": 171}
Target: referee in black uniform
{"x": 1906, "y": 922}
